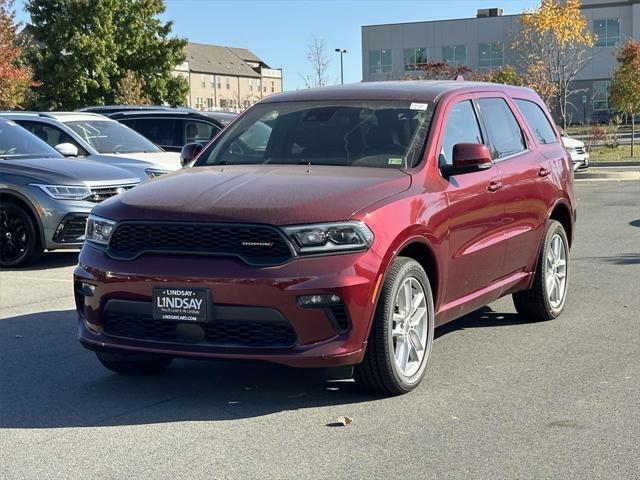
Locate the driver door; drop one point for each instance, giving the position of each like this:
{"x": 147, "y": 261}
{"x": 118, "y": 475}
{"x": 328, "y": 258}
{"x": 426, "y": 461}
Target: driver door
{"x": 476, "y": 210}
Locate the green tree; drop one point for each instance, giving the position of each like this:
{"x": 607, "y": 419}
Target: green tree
{"x": 15, "y": 78}
{"x": 506, "y": 75}
{"x": 625, "y": 83}
{"x": 83, "y": 49}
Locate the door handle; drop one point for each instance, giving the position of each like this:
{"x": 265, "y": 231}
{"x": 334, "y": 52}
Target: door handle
{"x": 543, "y": 172}
{"x": 494, "y": 186}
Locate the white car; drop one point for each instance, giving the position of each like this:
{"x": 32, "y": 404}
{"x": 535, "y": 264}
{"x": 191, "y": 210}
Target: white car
{"x": 578, "y": 152}
{"x": 96, "y": 137}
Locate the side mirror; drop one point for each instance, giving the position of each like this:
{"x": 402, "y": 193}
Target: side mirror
{"x": 67, "y": 149}
{"x": 468, "y": 158}
{"x": 189, "y": 152}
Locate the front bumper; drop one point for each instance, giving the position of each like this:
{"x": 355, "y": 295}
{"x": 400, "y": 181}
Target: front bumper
{"x": 61, "y": 221}
{"x": 580, "y": 160}
{"x": 237, "y": 290}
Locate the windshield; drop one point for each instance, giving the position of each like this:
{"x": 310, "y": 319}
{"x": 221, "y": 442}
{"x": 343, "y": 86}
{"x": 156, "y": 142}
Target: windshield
{"x": 16, "y": 142}
{"x": 112, "y": 137}
{"x": 385, "y": 134}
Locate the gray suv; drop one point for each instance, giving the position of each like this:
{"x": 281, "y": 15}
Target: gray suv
{"x": 46, "y": 198}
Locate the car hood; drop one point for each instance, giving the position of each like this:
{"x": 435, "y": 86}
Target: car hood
{"x": 572, "y": 142}
{"x": 160, "y": 160}
{"x": 276, "y": 195}
{"x": 65, "y": 171}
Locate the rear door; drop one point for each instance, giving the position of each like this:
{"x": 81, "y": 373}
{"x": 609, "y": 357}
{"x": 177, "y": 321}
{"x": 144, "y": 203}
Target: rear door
{"x": 522, "y": 169}
{"x": 475, "y": 208}
{"x": 164, "y": 132}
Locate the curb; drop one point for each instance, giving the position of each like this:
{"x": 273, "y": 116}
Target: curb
{"x": 608, "y": 175}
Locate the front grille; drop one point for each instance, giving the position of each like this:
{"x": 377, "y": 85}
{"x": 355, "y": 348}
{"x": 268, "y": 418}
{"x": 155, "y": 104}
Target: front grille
{"x": 255, "y": 244}
{"x": 580, "y": 150}
{"x": 100, "y": 193}
{"x": 241, "y": 333}
{"x": 71, "y": 229}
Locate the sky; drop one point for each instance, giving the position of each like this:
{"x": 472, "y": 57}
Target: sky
{"x": 279, "y": 31}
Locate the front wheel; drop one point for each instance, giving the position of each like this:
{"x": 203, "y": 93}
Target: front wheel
{"x": 402, "y": 332}
{"x": 19, "y": 240}
{"x": 546, "y": 298}
{"x": 133, "y": 364}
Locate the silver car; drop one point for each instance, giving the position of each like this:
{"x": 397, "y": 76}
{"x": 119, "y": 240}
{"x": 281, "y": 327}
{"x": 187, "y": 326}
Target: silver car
{"x": 98, "y": 138}
{"x": 46, "y": 198}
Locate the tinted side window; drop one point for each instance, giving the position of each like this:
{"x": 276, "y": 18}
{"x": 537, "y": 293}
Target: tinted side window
{"x": 537, "y": 121}
{"x": 198, "y": 132}
{"x": 161, "y": 131}
{"x": 505, "y": 136}
{"x": 462, "y": 127}
{"x": 50, "y": 134}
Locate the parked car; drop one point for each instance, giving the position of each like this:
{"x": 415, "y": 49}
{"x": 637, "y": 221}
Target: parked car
{"x": 578, "y": 151}
{"x": 171, "y": 128}
{"x": 45, "y": 198}
{"x": 98, "y": 138}
{"x": 370, "y": 214}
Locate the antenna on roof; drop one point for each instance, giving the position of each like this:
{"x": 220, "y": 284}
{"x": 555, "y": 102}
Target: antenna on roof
{"x": 459, "y": 78}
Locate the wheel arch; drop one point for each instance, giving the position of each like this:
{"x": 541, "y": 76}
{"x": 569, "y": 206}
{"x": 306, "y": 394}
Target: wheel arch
{"x": 24, "y": 202}
{"x": 561, "y": 212}
{"x": 420, "y": 246}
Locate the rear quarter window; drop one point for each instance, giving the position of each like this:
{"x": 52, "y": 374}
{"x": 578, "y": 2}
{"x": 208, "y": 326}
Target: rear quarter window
{"x": 537, "y": 121}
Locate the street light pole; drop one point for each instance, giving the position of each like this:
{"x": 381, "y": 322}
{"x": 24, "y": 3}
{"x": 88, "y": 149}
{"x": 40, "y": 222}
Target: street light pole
{"x": 341, "y": 51}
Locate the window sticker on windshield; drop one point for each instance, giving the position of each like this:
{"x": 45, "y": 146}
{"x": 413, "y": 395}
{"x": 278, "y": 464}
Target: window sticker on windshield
{"x": 418, "y": 106}
{"x": 395, "y": 161}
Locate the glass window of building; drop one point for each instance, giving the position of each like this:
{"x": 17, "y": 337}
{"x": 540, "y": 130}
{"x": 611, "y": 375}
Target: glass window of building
{"x": 379, "y": 61}
{"x": 601, "y": 94}
{"x": 491, "y": 54}
{"x": 414, "y": 57}
{"x": 455, "y": 55}
{"x": 607, "y": 32}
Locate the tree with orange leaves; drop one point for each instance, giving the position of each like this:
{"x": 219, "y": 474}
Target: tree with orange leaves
{"x": 553, "y": 46}
{"x": 15, "y": 78}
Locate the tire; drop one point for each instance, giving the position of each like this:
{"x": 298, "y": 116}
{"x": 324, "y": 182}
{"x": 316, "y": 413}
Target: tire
{"x": 380, "y": 371}
{"x": 134, "y": 364}
{"x": 539, "y": 302}
{"x": 20, "y": 243}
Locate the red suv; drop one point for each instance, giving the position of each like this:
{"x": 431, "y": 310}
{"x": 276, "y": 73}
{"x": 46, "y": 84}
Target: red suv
{"x": 335, "y": 227}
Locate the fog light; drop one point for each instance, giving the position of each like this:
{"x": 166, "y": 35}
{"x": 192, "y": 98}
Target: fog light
{"x": 319, "y": 300}
{"x": 88, "y": 289}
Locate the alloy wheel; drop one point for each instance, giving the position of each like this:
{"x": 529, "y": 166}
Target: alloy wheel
{"x": 556, "y": 271}
{"x": 14, "y": 237}
{"x": 410, "y": 327}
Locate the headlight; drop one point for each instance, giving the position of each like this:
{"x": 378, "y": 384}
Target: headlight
{"x": 154, "y": 172}
{"x": 65, "y": 192}
{"x": 330, "y": 237}
{"x": 99, "y": 230}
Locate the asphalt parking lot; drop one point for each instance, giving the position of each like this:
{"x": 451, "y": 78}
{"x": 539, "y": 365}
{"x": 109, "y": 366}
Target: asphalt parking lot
{"x": 502, "y": 399}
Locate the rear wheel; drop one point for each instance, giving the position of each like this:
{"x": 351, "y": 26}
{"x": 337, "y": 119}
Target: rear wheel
{"x": 546, "y": 298}
{"x": 402, "y": 332}
{"x": 19, "y": 240}
{"x": 134, "y": 364}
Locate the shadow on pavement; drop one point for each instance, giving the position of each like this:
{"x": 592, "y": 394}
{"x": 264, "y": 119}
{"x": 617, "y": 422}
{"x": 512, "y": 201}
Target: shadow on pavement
{"x": 483, "y": 317}
{"x": 52, "y": 260}
{"x": 622, "y": 259}
{"x": 50, "y": 381}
